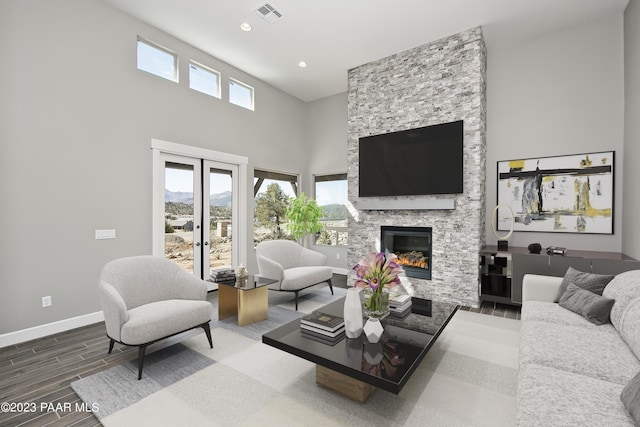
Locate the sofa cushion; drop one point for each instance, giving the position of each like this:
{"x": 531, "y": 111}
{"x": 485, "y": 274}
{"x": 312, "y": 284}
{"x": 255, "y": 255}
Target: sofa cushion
{"x": 630, "y": 398}
{"x": 552, "y": 312}
{"x": 589, "y": 281}
{"x": 303, "y": 277}
{"x": 624, "y": 288}
{"x": 161, "y": 319}
{"x": 596, "y": 352}
{"x": 629, "y": 326}
{"x": 593, "y": 307}
{"x": 553, "y": 397}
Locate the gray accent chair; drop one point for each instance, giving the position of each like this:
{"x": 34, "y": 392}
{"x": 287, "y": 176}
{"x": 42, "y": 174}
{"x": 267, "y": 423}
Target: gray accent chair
{"x": 293, "y": 266}
{"x": 146, "y": 299}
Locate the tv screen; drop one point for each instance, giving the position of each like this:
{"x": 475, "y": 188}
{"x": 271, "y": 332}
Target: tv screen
{"x": 427, "y": 160}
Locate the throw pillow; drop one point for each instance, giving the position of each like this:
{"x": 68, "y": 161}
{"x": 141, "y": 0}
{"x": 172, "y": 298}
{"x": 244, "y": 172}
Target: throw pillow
{"x": 631, "y": 398}
{"x": 594, "y": 308}
{"x": 589, "y": 281}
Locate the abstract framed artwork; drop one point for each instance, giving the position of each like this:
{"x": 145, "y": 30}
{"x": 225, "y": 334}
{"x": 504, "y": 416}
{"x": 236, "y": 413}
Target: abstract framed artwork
{"x": 561, "y": 194}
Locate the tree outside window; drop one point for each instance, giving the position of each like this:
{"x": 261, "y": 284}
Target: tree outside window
{"x": 272, "y": 193}
{"x": 271, "y": 208}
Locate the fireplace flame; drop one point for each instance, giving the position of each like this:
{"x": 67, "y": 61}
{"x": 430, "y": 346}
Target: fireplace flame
{"x": 412, "y": 259}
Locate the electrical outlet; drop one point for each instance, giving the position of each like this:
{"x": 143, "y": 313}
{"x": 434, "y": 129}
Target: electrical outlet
{"x": 46, "y": 301}
{"x": 337, "y": 256}
{"x": 105, "y": 234}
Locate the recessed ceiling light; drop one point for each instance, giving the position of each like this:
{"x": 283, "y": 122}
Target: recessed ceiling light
{"x": 302, "y": 64}
{"x": 245, "y": 26}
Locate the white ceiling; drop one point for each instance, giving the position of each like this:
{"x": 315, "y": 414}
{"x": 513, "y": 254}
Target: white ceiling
{"x": 333, "y": 36}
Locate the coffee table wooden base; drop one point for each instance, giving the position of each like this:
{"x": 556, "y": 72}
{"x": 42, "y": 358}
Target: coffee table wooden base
{"x": 346, "y": 386}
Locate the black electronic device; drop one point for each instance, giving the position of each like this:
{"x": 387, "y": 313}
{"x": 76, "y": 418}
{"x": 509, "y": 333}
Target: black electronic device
{"x": 556, "y": 250}
{"x": 426, "y": 160}
{"x": 535, "y": 248}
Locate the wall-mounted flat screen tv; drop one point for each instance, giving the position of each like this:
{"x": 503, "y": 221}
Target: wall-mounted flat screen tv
{"x": 426, "y": 160}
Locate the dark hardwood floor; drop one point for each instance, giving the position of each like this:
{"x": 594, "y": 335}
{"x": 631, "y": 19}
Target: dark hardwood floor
{"x": 37, "y": 374}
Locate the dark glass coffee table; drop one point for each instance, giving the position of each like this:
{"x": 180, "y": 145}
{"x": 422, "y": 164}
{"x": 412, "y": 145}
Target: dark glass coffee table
{"x": 355, "y": 367}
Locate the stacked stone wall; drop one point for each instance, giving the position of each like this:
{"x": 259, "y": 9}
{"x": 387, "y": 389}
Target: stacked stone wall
{"x": 439, "y": 82}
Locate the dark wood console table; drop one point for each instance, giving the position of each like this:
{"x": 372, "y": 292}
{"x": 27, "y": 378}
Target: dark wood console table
{"x": 501, "y": 272}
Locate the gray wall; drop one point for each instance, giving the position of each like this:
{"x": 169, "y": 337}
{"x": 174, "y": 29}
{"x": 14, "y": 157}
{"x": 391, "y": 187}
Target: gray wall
{"x": 326, "y": 132}
{"x": 631, "y": 177}
{"x": 559, "y": 94}
{"x": 76, "y": 121}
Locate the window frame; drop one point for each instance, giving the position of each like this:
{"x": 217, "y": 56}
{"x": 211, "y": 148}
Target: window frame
{"x": 264, "y": 174}
{"x": 158, "y": 47}
{"x": 276, "y": 176}
{"x": 211, "y": 71}
{"x": 326, "y": 178}
{"x": 233, "y": 81}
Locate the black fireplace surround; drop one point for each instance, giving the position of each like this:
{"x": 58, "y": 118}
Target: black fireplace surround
{"x": 412, "y": 246}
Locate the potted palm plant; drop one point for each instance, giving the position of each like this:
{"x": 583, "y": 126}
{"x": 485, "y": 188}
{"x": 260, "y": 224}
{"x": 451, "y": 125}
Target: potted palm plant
{"x": 304, "y": 216}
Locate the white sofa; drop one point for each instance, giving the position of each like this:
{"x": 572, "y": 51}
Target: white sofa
{"x": 293, "y": 266}
{"x": 571, "y": 371}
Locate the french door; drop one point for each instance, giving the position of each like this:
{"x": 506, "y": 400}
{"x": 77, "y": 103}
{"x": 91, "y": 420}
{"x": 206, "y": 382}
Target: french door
{"x": 197, "y": 201}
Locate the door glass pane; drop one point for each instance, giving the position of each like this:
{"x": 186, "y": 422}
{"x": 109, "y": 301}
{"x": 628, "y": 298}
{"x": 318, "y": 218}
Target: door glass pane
{"x": 178, "y": 214}
{"x": 220, "y": 218}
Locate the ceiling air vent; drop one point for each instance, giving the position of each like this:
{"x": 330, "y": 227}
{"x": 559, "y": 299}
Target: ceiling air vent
{"x": 268, "y": 13}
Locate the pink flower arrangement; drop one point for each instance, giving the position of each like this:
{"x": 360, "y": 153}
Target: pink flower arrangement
{"x": 378, "y": 270}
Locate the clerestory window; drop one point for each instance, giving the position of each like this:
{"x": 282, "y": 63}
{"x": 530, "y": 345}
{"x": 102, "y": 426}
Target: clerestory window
{"x": 241, "y": 94}
{"x": 204, "y": 79}
{"x": 157, "y": 60}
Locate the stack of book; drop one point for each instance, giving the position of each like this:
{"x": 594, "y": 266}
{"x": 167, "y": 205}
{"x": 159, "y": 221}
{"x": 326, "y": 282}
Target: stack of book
{"x": 322, "y": 327}
{"x": 223, "y": 274}
{"x": 399, "y": 305}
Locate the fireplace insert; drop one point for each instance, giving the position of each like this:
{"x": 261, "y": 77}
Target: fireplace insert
{"x": 412, "y": 246}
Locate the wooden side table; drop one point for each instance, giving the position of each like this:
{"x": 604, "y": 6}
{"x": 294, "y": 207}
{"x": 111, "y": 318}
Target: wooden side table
{"x": 249, "y": 302}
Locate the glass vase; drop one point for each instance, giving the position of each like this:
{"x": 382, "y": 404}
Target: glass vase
{"x": 376, "y": 303}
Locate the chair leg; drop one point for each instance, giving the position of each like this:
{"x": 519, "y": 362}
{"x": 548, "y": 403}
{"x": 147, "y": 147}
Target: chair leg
{"x": 207, "y": 331}
{"x": 296, "y": 300}
{"x": 141, "y": 351}
{"x": 330, "y": 286}
{"x": 111, "y": 346}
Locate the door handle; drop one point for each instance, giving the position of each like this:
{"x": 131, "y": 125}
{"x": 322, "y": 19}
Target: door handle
{"x": 197, "y": 243}
{"x": 206, "y": 243}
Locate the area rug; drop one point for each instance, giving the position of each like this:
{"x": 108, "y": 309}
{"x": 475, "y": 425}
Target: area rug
{"x": 467, "y": 379}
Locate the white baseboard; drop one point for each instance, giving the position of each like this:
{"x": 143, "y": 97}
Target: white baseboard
{"x": 50, "y": 328}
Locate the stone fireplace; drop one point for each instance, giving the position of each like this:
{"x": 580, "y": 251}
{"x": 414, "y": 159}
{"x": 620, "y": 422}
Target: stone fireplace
{"x": 436, "y": 83}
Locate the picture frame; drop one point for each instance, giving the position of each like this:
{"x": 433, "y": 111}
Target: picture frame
{"x": 559, "y": 194}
